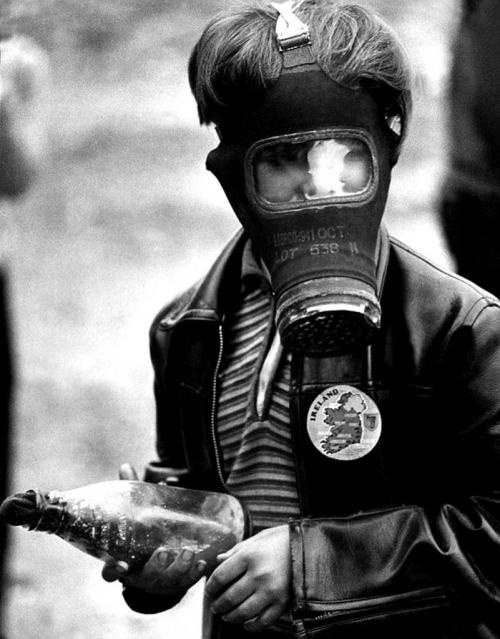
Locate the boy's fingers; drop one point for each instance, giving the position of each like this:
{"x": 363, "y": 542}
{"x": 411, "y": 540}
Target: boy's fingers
{"x": 264, "y": 619}
{"x": 246, "y": 610}
{"x": 198, "y": 569}
{"x": 183, "y": 562}
{"x": 224, "y": 574}
{"x": 225, "y": 555}
{"x": 160, "y": 560}
{"x": 127, "y": 471}
{"x": 114, "y": 570}
{"x": 233, "y": 596}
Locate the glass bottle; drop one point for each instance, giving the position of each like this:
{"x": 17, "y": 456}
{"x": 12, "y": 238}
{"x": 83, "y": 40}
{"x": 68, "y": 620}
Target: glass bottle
{"x": 128, "y": 520}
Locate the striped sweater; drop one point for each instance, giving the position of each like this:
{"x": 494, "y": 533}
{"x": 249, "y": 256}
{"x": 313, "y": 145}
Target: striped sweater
{"x": 257, "y": 451}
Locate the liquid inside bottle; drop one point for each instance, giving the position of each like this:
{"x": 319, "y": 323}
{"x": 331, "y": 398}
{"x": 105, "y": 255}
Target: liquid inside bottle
{"x": 128, "y": 520}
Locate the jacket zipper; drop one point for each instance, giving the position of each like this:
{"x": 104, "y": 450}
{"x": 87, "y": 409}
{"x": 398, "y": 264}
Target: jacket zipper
{"x": 424, "y": 600}
{"x": 218, "y": 462}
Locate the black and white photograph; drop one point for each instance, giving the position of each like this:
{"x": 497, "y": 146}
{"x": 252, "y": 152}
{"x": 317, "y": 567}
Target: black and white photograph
{"x": 249, "y": 319}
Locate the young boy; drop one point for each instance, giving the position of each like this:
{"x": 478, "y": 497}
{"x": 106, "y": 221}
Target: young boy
{"x": 343, "y": 388}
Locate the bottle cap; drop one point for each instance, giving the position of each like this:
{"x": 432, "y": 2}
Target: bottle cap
{"x": 20, "y": 509}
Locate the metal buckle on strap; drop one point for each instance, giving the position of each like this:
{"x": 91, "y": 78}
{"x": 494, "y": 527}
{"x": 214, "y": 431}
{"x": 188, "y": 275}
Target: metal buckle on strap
{"x": 291, "y": 32}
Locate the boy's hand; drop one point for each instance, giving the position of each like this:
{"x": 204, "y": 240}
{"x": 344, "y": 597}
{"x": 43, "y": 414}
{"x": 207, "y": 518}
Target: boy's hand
{"x": 166, "y": 572}
{"x": 251, "y": 585}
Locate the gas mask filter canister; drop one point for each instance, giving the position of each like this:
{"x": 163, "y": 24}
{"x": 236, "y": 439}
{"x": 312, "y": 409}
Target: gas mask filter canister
{"x": 306, "y": 169}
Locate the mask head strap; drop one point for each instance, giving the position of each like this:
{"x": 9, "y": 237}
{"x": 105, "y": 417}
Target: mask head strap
{"x": 293, "y": 36}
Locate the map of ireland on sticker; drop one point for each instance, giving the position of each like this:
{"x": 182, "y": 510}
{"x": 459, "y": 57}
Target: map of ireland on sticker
{"x": 344, "y": 423}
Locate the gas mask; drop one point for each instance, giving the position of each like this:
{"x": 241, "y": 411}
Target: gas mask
{"x": 306, "y": 168}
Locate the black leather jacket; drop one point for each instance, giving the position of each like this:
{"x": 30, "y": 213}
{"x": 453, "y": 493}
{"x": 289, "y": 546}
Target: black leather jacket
{"x": 406, "y": 540}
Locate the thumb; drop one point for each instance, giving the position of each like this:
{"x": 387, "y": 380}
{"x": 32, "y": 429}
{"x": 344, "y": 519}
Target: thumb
{"x": 127, "y": 471}
{"x": 225, "y": 555}
{"x": 114, "y": 570}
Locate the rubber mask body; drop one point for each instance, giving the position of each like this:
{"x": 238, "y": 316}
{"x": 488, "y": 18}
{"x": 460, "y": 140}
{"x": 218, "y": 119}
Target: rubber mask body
{"x": 320, "y": 248}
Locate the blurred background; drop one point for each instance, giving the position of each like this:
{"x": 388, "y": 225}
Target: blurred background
{"x": 121, "y": 216}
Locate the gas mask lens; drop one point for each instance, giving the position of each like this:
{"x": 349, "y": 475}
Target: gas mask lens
{"x": 296, "y": 170}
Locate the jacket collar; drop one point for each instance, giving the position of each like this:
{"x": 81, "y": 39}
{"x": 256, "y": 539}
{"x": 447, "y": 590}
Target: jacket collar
{"x": 210, "y": 298}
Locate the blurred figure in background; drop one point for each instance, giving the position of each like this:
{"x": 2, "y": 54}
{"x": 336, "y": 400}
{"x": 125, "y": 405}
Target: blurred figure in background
{"x": 470, "y": 207}
{"x": 23, "y": 150}
{"x": 24, "y": 132}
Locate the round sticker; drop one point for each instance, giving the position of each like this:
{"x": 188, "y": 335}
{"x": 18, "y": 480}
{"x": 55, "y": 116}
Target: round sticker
{"x": 344, "y": 423}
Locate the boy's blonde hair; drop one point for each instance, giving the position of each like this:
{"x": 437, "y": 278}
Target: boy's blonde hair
{"x": 237, "y": 55}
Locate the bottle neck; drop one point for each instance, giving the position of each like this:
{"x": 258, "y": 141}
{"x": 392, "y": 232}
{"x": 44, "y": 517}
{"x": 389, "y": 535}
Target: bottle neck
{"x": 52, "y": 514}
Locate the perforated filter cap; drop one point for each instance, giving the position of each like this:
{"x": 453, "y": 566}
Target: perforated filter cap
{"x": 327, "y": 319}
